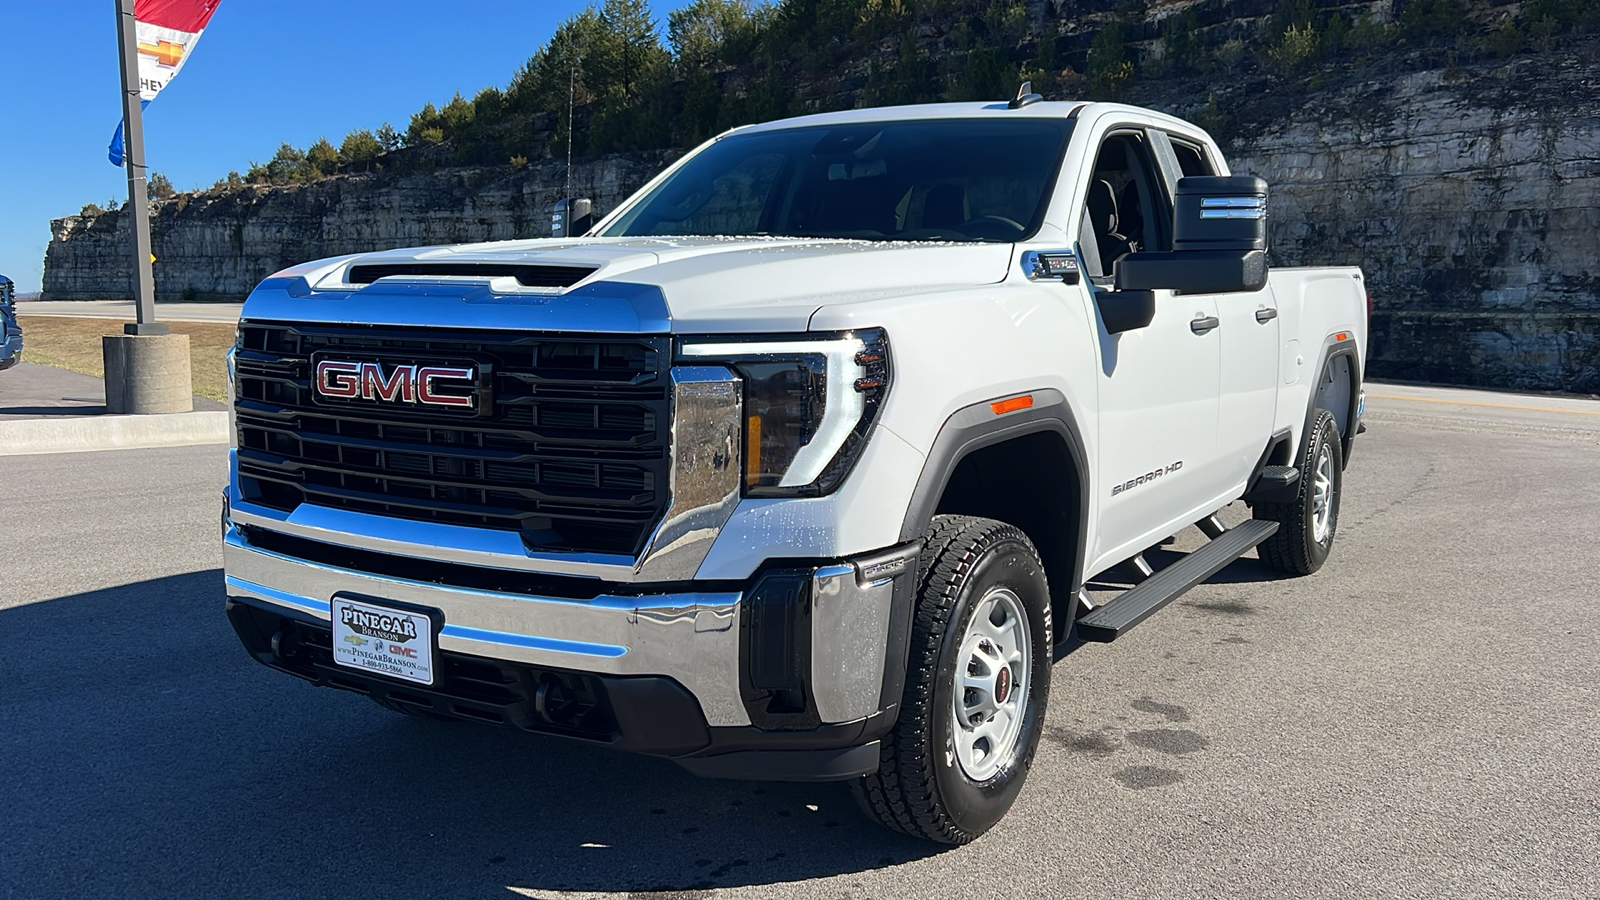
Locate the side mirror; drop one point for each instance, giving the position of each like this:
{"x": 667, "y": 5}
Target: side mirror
{"x": 1219, "y": 240}
{"x": 572, "y": 217}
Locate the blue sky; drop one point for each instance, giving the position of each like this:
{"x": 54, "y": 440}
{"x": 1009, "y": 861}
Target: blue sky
{"x": 264, "y": 73}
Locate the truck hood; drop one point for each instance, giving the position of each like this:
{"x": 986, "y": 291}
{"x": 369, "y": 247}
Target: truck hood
{"x": 693, "y": 284}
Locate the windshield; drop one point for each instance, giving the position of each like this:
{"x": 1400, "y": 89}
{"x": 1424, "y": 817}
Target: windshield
{"x": 946, "y": 180}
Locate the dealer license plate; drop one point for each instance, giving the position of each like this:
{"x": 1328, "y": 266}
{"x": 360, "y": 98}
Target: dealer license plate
{"x": 394, "y": 642}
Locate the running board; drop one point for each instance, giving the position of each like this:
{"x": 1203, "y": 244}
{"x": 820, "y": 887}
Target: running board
{"x": 1116, "y": 618}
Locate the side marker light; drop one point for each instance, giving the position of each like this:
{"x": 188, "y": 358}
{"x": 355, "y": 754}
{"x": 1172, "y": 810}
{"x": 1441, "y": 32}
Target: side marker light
{"x": 1012, "y": 405}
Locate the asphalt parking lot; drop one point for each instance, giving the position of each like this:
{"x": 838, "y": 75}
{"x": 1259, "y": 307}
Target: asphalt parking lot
{"x": 1419, "y": 719}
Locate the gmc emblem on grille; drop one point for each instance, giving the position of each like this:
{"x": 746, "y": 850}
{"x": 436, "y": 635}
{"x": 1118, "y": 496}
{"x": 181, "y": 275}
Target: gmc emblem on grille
{"x": 406, "y": 384}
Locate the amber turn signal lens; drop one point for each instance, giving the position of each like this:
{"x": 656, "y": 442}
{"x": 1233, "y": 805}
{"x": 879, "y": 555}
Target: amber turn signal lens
{"x": 1012, "y": 405}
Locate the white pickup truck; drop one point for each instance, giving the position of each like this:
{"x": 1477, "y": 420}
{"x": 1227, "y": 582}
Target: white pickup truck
{"x": 795, "y": 465}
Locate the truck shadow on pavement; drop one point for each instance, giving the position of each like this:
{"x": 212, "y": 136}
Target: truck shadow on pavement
{"x": 147, "y": 755}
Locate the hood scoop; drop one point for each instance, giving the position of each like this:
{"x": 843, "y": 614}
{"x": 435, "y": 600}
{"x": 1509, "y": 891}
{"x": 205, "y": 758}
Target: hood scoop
{"x": 526, "y": 275}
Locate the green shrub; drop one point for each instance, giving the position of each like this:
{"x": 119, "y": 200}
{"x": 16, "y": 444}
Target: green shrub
{"x": 1563, "y": 15}
{"x": 1109, "y": 69}
{"x": 1433, "y": 20}
{"x": 1299, "y": 46}
{"x": 1504, "y": 40}
{"x": 1368, "y": 33}
{"x": 159, "y": 187}
{"x": 1180, "y": 48}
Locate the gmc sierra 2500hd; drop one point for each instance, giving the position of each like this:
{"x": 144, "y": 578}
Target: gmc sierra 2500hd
{"x": 796, "y": 464}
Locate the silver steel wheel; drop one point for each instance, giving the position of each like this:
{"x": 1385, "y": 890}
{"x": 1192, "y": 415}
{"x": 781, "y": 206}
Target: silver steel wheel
{"x": 991, "y": 691}
{"x": 1322, "y": 496}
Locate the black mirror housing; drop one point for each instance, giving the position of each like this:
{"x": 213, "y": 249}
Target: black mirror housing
{"x": 1219, "y": 240}
{"x": 1193, "y": 271}
{"x": 572, "y": 217}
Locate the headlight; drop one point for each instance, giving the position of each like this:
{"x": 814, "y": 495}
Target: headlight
{"x": 809, "y": 401}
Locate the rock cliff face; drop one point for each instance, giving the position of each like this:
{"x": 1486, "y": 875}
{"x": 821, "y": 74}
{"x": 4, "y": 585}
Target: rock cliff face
{"x": 1472, "y": 201}
{"x": 217, "y": 245}
{"x": 1470, "y": 195}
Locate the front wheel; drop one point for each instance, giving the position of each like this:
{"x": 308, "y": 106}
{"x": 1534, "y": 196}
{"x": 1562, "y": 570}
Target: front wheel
{"x": 977, "y": 683}
{"x": 1307, "y": 524}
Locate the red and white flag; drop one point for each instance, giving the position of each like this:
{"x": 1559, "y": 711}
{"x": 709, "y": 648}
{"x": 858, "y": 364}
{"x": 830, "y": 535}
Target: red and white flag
{"x": 168, "y": 31}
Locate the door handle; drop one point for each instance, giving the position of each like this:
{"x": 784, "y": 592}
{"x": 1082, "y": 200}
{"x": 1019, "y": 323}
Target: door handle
{"x": 1266, "y": 315}
{"x": 1204, "y": 324}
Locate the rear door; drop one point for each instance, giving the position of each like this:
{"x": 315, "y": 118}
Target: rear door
{"x": 1248, "y": 332}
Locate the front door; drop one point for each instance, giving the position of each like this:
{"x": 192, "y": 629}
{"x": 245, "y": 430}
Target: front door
{"x": 1158, "y": 385}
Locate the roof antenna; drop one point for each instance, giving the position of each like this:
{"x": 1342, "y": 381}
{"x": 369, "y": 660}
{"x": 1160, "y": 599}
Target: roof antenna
{"x": 1025, "y": 96}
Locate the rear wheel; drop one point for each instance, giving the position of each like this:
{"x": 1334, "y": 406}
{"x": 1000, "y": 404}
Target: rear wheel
{"x": 977, "y": 684}
{"x": 1307, "y": 524}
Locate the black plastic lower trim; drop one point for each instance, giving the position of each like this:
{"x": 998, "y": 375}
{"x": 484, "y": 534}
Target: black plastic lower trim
{"x": 789, "y": 765}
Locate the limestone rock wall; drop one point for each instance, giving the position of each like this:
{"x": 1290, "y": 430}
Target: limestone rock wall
{"x": 1472, "y": 201}
{"x": 217, "y": 245}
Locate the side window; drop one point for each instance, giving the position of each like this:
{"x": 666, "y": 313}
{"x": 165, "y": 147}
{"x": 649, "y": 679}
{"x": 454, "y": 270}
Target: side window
{"x": 1126, "y": 209}
{"x": 1192, "y": 159}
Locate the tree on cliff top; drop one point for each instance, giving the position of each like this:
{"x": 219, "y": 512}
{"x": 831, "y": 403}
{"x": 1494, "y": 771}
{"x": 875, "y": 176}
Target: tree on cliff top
{"x": 322, "y": 158}
{"x": 711, "y": 33}
{"x": 360, "y": 150}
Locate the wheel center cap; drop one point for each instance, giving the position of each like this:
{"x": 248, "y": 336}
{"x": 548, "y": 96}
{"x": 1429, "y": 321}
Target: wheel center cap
{"x": 1002, "y": 685}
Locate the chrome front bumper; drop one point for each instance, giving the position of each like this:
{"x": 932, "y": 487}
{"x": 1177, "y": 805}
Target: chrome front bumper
{"x": 691, "y": 637}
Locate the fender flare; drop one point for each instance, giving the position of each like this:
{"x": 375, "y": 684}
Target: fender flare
{"x": 975, "y": 427}
{"x": 1332, "y": 349}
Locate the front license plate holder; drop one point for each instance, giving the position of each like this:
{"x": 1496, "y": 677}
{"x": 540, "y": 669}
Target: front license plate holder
{"x": 386, "y": 637}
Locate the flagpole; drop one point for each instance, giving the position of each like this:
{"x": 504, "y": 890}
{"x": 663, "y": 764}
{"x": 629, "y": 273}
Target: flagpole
{"x": 147, "y": 366}
{"x": 144, "y": 288}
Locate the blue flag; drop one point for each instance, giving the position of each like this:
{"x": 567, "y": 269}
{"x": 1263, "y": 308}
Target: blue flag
{"x": 115, "y": 154}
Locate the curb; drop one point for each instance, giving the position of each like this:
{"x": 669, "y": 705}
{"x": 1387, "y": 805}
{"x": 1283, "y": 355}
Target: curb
{"x": 83, "y": 433}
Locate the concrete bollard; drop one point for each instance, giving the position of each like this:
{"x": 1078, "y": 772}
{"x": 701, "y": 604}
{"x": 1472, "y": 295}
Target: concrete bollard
{"x": 147, "y": 374}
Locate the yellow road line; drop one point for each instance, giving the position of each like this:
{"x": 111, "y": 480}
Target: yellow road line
{"x": 1568, "y": 412}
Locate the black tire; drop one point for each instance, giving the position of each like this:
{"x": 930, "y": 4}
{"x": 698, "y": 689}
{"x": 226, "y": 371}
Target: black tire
{"x": 919, "y": 788}
{"x": 1296, "y": 548}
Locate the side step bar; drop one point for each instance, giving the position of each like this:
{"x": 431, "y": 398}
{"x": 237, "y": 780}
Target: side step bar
{"x": 1116, "y": 618}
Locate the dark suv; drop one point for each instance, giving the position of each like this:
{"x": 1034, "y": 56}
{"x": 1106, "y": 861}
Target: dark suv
{"x": 10, "y": 331}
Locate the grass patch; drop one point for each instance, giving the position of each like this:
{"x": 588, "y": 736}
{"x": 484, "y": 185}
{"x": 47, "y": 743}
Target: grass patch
{"x": 73, "y": 343}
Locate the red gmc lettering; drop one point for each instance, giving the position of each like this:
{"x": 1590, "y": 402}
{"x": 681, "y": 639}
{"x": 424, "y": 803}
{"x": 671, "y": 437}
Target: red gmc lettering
{"x": 400, "y": 385}
{"x": 427, "y": 374}
{"x": 338, "y": 379}
{"x": 407, "y": 652}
